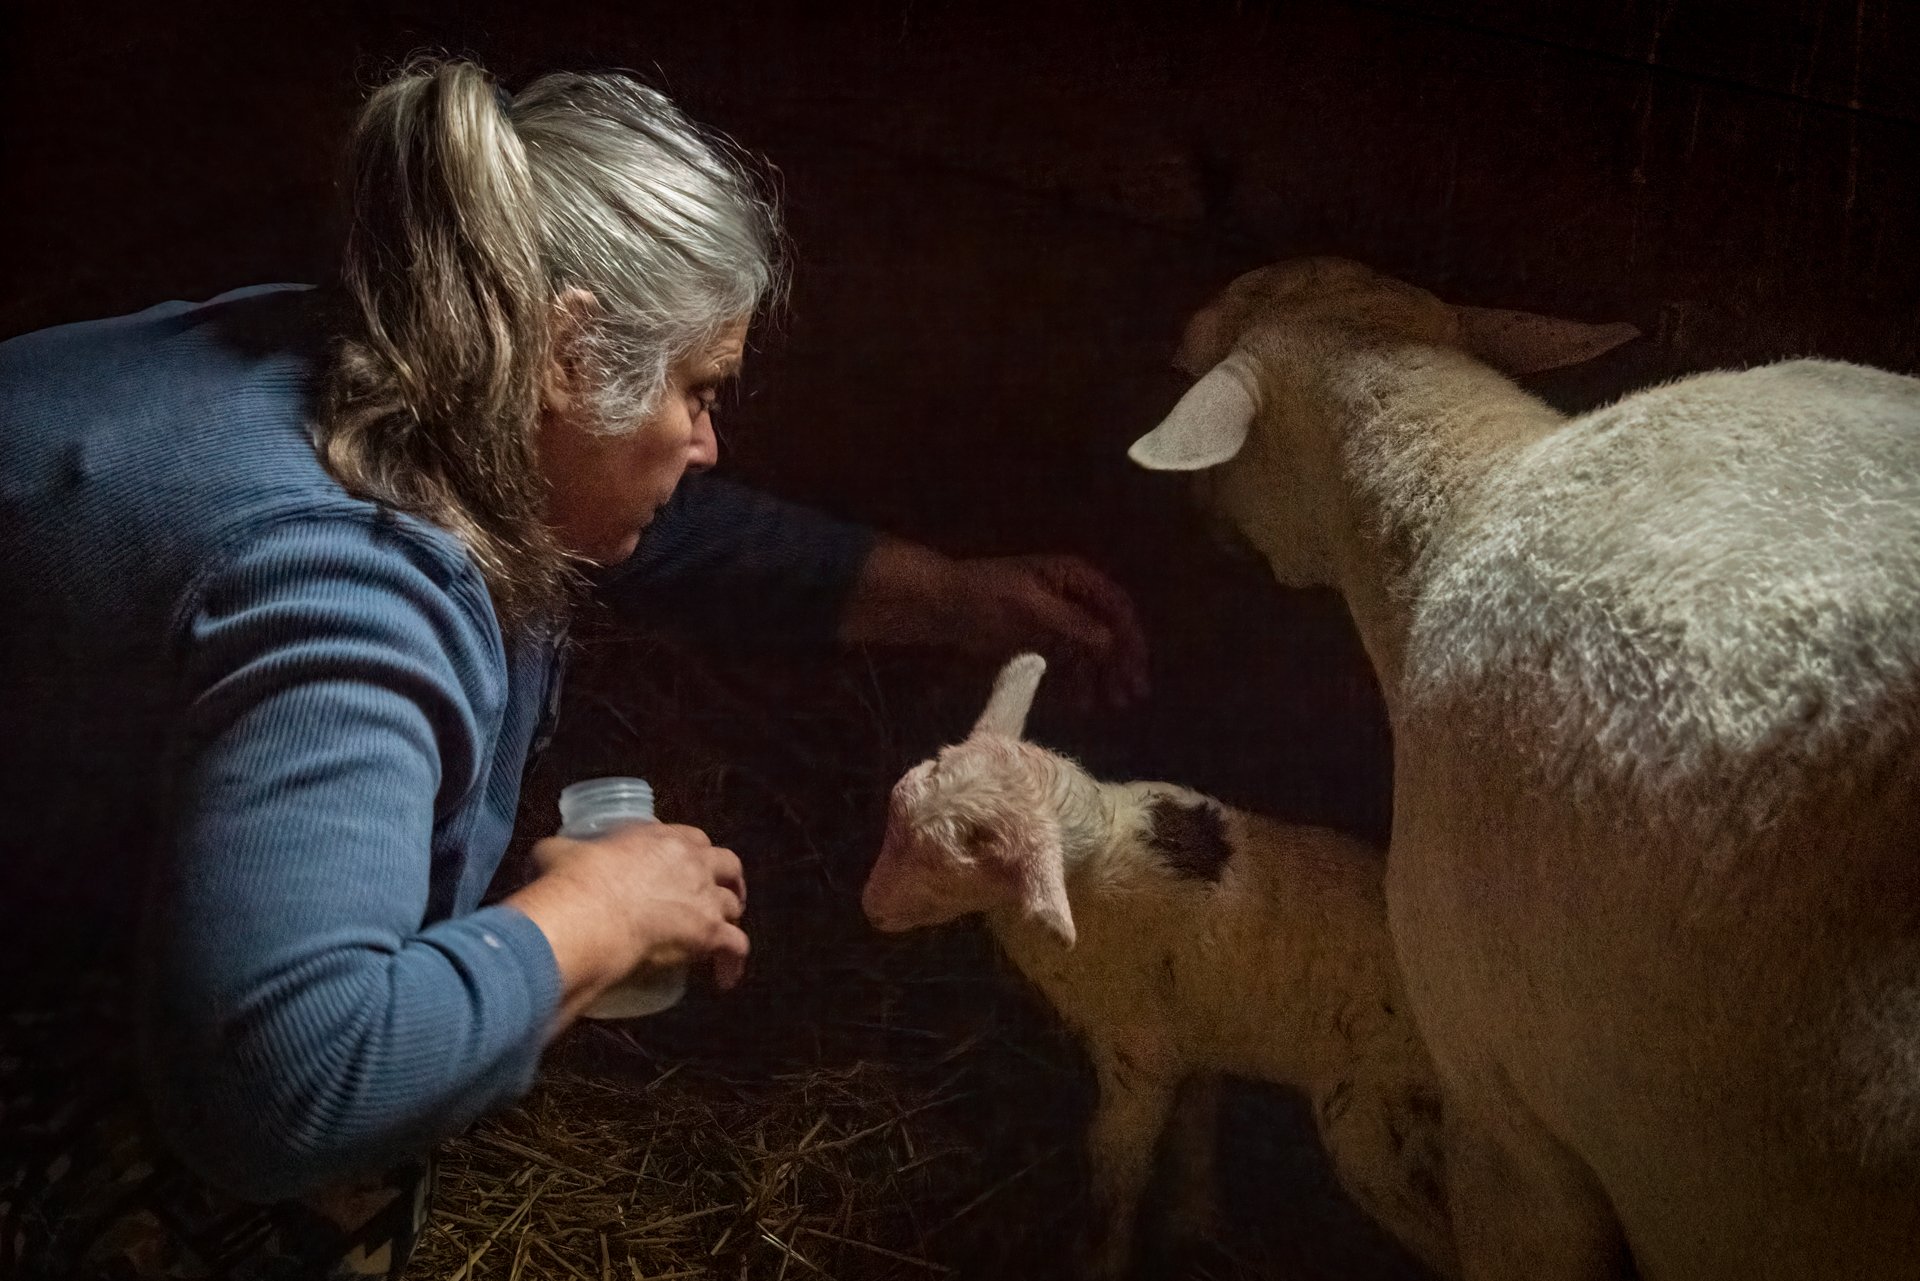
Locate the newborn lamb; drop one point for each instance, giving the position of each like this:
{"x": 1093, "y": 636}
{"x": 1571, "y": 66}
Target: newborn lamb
{"x": 1181, "y": 940}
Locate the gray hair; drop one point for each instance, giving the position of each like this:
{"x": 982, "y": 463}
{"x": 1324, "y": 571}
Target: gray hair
{"x": 652, "y": 215}
{"x": 472, "y": 214}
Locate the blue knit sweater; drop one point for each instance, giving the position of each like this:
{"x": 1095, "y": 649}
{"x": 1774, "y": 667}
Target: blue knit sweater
{"x": 267, "y": 738}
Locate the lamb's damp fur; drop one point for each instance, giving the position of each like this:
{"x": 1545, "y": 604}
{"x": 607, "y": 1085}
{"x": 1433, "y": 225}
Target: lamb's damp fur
{"x": 1176, "y": 965}
{"x": 1654, "y": 679}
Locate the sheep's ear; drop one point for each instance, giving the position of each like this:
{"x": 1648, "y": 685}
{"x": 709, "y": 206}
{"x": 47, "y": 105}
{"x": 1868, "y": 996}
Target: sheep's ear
{"x": 1043, "y": 886}
{"x": 1012, "y": 697}
{"x": 1210, "y": 423}
{"x": 1519, "y": 342}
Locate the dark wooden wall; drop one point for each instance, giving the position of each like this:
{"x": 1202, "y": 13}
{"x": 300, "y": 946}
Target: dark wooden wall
{"x": 1003, "y": 213}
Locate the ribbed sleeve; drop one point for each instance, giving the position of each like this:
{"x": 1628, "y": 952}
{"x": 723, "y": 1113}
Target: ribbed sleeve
{"x": 741, "y": 568}
{"x": 302, "y": 1023}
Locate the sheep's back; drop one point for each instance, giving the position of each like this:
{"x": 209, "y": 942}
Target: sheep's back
{"x": 1703, "y": 600}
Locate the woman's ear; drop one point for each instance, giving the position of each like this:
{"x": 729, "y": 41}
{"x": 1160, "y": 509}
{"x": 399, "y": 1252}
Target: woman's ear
{"x": 562, "y": 382}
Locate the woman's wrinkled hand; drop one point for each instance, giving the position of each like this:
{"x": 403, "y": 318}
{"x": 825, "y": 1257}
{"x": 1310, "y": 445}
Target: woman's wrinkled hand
{"x": 1061, "y": 607}
{"x": 648, "y": 894}
{"x": 994, "y": 607}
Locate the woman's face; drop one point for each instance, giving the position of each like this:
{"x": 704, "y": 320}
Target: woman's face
{"x": 604, "y": 490}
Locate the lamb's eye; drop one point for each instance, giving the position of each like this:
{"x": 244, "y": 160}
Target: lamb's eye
{"x": 973, "y": 836}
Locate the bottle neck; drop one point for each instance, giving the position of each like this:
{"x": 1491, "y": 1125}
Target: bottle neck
{"x": 596, "y": 805}
{"x": 585, "y": 829}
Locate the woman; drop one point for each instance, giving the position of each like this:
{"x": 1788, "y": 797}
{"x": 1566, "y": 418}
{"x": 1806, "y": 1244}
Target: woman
{"x": 288, "y": 581}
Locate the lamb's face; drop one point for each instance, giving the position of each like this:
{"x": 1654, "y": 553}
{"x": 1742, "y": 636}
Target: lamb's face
{"x": 967, "y": 832}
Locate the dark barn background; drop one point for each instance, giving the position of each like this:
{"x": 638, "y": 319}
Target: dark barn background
{"x": 1002, "y": 215}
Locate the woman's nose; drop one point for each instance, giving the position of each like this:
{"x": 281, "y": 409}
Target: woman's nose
{"x": 703, "y": 451}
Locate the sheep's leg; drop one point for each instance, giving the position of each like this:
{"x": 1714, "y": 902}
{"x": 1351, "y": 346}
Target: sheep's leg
{"x": 1192, "y": 1143}
{"x": 1525, "y": 1208}
{"x": 1134, "y": 1105}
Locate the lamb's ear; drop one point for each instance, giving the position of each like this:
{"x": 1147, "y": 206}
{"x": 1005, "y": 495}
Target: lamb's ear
{"x": 1012, "y": 697}
{"x": 1043, "y": 884}
{"x": 1210, "y": 423}
{"x": 1519, "y": 342}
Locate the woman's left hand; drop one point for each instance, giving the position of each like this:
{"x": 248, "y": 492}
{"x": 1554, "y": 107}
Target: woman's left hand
{"x": 1060, "y": 606}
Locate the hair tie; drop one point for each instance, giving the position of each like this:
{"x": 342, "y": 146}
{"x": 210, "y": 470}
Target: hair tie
{"x": 503, "y": 99}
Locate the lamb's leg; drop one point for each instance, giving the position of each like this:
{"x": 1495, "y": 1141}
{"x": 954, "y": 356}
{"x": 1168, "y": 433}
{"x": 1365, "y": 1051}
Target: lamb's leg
{"x": 1387, "y": 1144}
{"x": 1134, "y": 1104}
{"x": 1192, "y": 1142}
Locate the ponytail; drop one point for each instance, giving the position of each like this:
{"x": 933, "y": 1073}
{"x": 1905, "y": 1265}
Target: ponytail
{"x": 432, "y": 404}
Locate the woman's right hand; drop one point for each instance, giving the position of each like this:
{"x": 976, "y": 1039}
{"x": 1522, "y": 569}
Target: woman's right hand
{"x": 653, "y": 894}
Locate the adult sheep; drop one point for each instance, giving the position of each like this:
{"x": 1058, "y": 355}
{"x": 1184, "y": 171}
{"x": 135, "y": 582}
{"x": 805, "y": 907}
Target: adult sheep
{"x": 1654, "y": 679}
